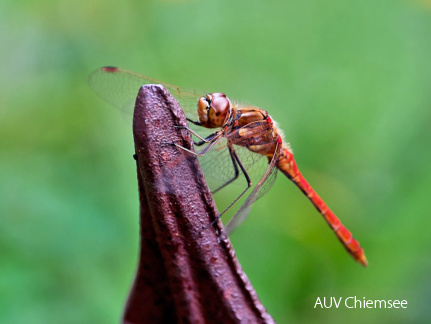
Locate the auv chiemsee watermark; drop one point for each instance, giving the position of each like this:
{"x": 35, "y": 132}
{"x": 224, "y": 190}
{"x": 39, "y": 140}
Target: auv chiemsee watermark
{"x": 355, "y": 302}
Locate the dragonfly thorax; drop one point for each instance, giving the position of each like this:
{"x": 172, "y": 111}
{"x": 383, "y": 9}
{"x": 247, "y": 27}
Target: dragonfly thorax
{"x": 214, "y": 109}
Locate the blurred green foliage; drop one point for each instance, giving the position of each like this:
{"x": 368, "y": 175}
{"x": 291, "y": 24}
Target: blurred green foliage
{"x": 348, "y": 81}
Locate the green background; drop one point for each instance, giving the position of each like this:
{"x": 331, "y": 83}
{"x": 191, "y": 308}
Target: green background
{"x": 347, "y": 81}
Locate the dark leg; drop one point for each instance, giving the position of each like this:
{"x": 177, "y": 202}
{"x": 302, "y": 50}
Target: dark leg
{"x": 203, "y": 140}
{"x": 206, "y": 139}
{"x": 201, "y": 153}
{"x": 231, "y": 152}
{"x": 247, "y": 177}
{"x": 197, "y": 123}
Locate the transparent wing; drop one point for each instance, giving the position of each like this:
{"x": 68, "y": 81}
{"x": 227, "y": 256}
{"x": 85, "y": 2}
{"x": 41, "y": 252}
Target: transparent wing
{"x": 220, "y": 169}
{"x": 219, "y": 166}
{"x": 119, "y": 87}
{"x": 261, "y": 188}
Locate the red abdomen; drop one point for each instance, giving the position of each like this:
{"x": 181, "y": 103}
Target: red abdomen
{"x": 287, "y": 165}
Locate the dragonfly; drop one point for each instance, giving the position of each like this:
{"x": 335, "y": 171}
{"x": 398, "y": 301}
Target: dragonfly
{"x": 244, "y": 132}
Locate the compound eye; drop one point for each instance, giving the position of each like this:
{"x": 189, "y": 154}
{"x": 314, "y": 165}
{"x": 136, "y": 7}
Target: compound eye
{"x": 220, "y": 104}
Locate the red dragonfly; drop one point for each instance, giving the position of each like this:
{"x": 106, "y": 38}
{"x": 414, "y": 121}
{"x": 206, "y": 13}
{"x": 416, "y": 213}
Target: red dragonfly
{"x": 245, "y": 132}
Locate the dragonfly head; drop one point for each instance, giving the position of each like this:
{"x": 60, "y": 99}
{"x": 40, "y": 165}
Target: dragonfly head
{"x": 213, "y": 109}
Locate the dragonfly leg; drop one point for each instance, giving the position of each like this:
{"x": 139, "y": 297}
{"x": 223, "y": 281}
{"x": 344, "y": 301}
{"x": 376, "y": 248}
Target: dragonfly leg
{"x": 202, "y": 139}
{"x": 206, "y": 139}
{"x": 201, "y": 153}
{"x": 197, "y": 123}
{"x": 235, "y": 168}
{"x": 247, "y": 177}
